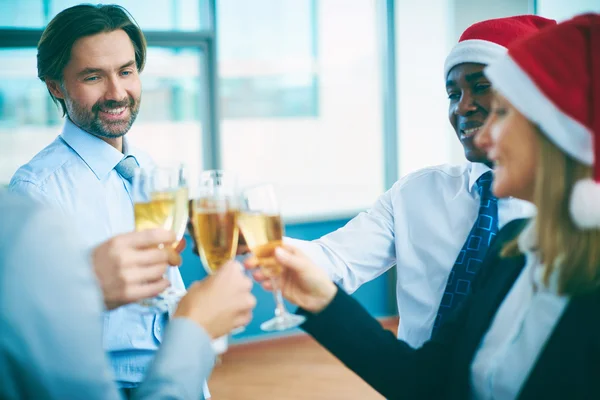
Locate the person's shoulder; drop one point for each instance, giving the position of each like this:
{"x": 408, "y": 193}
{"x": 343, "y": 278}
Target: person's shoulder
{"x": 449, "y": 174}
{"x": 14, "y": 206}
{"x": 17, "y": 211}
{"x": 27, "y": 224}
{"x": 45, "y": 164}
{"x": 20, "y": 216}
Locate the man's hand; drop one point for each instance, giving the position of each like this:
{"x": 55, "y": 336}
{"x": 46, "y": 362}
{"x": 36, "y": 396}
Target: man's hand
{"x": 130, "y": 267}
{"x": 221, "y": 302}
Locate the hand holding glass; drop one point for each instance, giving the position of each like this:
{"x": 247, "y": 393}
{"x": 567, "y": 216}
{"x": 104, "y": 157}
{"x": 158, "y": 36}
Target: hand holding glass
{"x": 260, "y": 223}
{"x": 157, "y": 201}
{"x": 214, "y": 215}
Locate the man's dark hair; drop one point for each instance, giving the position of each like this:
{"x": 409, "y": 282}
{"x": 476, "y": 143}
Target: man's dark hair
{"x": 70, "y": 25}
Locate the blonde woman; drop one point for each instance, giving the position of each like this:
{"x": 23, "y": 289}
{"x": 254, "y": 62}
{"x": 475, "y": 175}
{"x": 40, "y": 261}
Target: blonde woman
{"x": 531, "y": 327}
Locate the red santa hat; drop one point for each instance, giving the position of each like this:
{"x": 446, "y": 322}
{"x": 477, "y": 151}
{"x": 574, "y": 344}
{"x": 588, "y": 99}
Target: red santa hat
{"x": 553, "y": 79}
{"x": 488, "y": 40}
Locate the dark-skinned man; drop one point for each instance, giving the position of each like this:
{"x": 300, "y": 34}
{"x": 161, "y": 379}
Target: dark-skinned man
{"x": 435, "y": 224}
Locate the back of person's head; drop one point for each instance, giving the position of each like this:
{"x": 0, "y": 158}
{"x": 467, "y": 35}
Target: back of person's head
{"x": 74, "y": 23}
{"x": 553, "y": 79}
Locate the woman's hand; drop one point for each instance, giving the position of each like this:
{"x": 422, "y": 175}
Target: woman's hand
{"x": 301, "y": 282}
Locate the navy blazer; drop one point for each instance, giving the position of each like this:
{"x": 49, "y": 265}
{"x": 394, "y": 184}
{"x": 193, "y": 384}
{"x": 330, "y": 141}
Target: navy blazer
{"x": 568, "y": 366}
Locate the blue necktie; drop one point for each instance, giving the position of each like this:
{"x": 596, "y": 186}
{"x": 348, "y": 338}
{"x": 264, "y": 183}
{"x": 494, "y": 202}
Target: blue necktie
{"x": 472, "y": 253}
{"x": 126, "y": 167}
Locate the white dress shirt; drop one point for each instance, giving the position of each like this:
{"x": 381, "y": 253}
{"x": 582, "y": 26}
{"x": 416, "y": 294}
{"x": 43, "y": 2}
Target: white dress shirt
{"x": 522, "y": 325}
{"x": 51, "y": 319}
{"x": 420, "y": 225}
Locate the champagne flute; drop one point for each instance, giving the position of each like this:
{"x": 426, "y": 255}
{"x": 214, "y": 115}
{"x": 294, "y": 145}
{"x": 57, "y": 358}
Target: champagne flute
{"x": 260, "y": 223}
{"x": 214, "y": 217}
{"x": 181, "y": 217}
{"x": 172, "y": 295}
{"x": 154, "y": 193}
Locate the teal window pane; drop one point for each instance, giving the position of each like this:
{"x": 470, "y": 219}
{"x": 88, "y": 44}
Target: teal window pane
{"x": 159, "y": 15}
{"x": 22, "y": 13}
{"x": 268, "y": 59}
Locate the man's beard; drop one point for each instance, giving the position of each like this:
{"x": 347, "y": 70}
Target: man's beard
{"x": 90, "y": 121}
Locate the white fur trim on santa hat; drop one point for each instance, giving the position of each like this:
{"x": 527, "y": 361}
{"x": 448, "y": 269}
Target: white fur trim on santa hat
{"x": 512, "y": 82}
{"x": 585, "y": 204}
{"x": 473, "y": 51}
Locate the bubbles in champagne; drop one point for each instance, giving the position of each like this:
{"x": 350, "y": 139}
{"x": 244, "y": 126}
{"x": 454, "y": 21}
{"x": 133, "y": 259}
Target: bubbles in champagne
{"x": 158, "y": 213}
{"x": 181, "y": 215}
{"x": 263, "y": 234}
{"x": 216, "y": 236}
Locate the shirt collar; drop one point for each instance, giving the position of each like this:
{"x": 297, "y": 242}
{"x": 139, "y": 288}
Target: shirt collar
{"x": 528, "y": 238}
{"x": 528, "y": 245}
{"x": 477, "y": 169}
{"x": 99, "y": 156}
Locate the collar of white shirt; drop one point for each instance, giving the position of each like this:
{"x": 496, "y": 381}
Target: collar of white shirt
{"x": 528, "y": 238}
{"x": 477, "y": 169}
{"x": 99, "y": 156}
{"x": 528, "y": 245}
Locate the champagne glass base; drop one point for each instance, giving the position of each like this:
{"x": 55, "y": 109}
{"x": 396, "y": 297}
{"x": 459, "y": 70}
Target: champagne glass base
{"x": 282, "y": 322}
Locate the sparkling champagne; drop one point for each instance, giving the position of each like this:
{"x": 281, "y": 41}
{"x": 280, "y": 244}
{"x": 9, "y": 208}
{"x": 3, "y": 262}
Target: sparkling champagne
{"x": 157, "y": 213}
{"x": 216, "y": 236}
{"x": 263, "y": 234}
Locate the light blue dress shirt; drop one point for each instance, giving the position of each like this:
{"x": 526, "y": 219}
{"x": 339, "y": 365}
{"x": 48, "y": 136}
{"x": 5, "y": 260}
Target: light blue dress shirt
{"x": 519, "y": 331}
{"x": 76, "y": 174}
{"x": 51, "y": 325}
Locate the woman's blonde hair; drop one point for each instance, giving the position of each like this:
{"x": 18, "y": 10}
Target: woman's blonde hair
{"x": 560, "y": 243}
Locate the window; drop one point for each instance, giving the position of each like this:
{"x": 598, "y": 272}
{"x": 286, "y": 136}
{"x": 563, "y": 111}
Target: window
{"x": 301, "y": 92}
{"x": 176, "y": 95}
{"x": 159, "y": 15}
{"x": 562, "y": 10}
{"x": 29, "y": 120}
{"x": 169, "y": 125}
{"x": 268, "y": 53}
{"x": 299, "y": 83}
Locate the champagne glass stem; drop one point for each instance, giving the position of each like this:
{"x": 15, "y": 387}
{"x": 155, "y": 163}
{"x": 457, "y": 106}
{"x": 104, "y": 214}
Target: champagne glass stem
{"x": 283, "y": 319}
{"x": 280, "y": 309}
